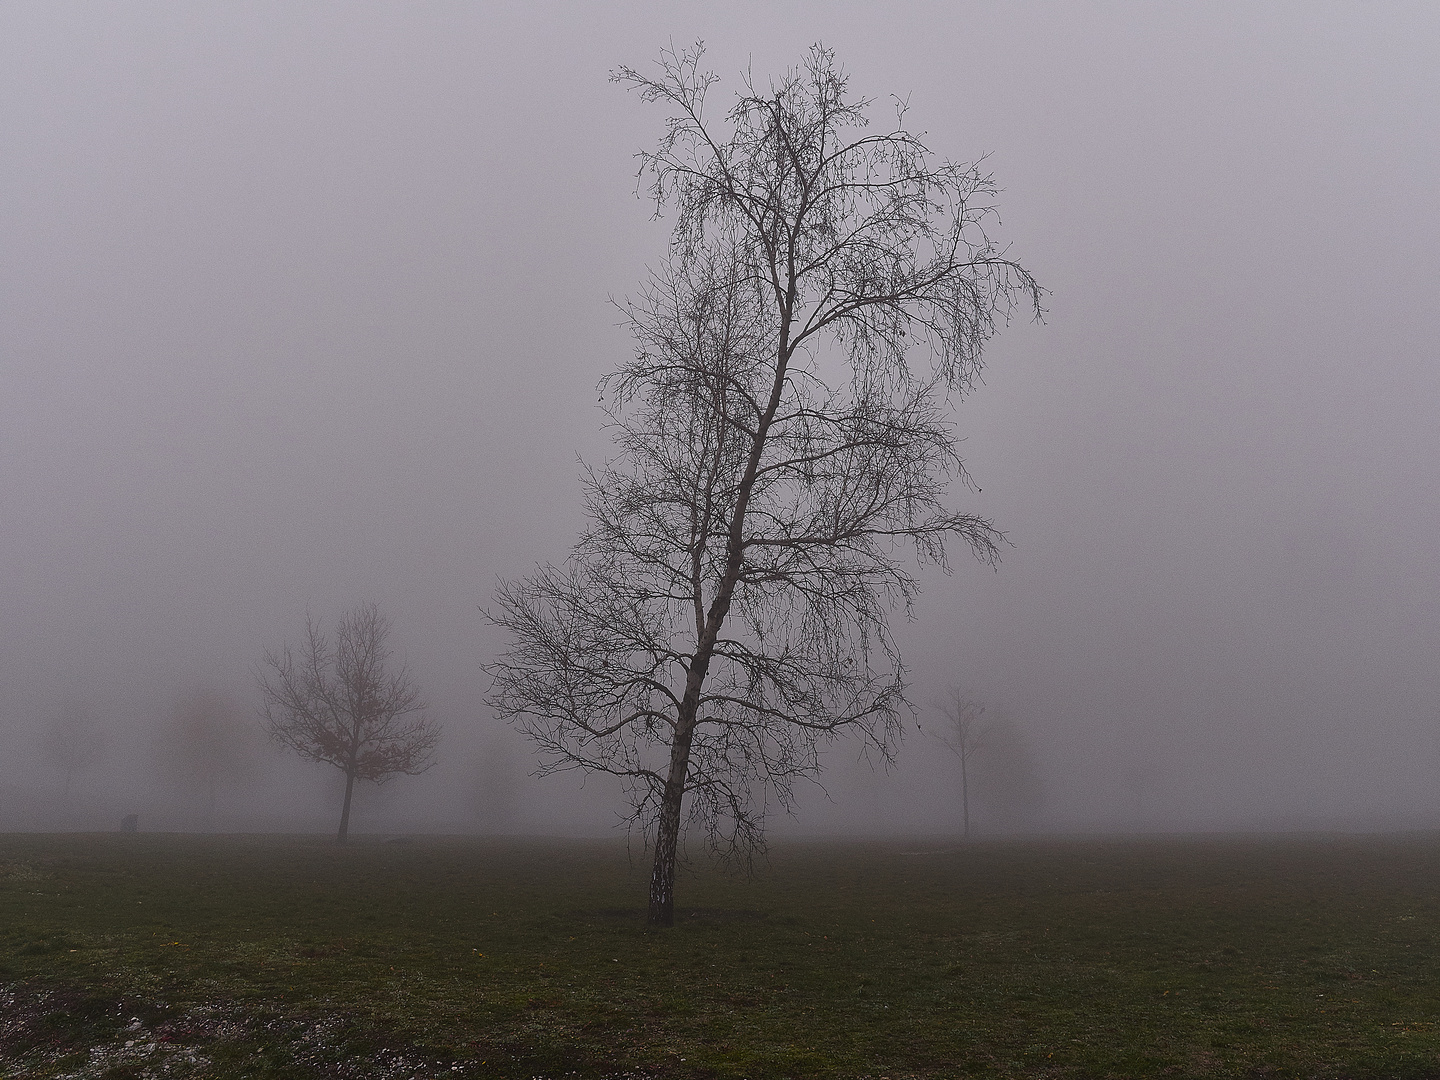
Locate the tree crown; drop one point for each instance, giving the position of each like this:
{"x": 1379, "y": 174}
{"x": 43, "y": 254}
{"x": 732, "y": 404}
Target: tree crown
{"x": 347, "y": 705}
{"x": 781, "y": 431}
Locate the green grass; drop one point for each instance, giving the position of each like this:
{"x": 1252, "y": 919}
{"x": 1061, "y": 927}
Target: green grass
{"x": 290, "y": 957}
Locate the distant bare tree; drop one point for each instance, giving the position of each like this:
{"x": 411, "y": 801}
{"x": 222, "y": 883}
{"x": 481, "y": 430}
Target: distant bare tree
{"x": 727, "y": 610}
{"x": 204, "y": 743}
{"x": 1007, "y": 780}
{"x": 1005, "y": 777}
{"x": 962, "y": 730}
{"x": 492, "y": 792}
{"x": 73, "y": 742}
{"x": 344, "y": 708}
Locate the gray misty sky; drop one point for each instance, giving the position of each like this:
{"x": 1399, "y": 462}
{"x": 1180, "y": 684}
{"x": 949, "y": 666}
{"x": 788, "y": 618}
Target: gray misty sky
{"x": 304, "y": 305}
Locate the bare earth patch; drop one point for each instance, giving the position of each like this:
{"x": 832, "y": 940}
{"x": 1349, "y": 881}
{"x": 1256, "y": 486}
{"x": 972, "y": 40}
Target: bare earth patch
{"x": 51, "y": 1034}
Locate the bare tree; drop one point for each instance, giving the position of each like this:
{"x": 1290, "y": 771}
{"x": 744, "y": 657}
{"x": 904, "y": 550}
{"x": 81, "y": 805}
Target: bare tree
{"x": 343, "y": 707}
{"x": 204, "y": 743}
{"x": 782, "y": 430}
{"x": 1008, "y": 782}
{"x": 73, "y": 742}
{"x": 963, "y": 732}
{"x": 491, "y": 795}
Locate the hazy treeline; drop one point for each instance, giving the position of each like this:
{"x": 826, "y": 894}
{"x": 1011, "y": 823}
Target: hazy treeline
{"x": 200, "y": 760}
{"x": 306, "y": 306}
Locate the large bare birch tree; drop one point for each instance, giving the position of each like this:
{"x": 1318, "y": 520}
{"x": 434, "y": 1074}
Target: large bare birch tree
{"x": 783, "y": 437}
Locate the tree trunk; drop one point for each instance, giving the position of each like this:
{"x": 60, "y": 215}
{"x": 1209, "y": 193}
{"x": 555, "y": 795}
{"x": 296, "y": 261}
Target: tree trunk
{"x": 662, "y": 875}
{"x": 667, "y": 830}
{"x": 345, "y": 813}
{"x": 965, "y": 795}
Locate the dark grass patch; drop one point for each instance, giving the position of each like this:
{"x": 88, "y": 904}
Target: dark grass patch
{"x": 290, "y": 957}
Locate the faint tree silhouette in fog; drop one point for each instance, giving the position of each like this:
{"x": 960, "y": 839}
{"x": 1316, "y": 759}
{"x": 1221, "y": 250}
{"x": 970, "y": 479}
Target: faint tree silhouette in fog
{"x": 204, "y": 742}
{"x": 348, "y": 706}
{"x": 782, "y": 430}
{"x": 963, "y": 731}
{"x": 73, "y": 742}
{"x": 491, "y": 795}
{"x": 1005, "y": 777}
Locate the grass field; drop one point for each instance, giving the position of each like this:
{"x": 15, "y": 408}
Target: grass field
{"x": 157, "y": 955}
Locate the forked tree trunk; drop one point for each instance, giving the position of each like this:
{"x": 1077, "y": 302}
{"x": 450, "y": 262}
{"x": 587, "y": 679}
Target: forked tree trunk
{"x": 345, "y": 813}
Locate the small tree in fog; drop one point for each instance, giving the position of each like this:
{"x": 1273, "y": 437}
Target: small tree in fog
{"x": 348, "y": 706}
{"x": 204, "y": 743}
{"x": 782, "y": 431}
{"x": 996, "y": 762}
{"x": 963, "y": 731}
{"x": 1008, "y": 781}
{"x": 491, "y": 795}
{"x": 72, "y": 742}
